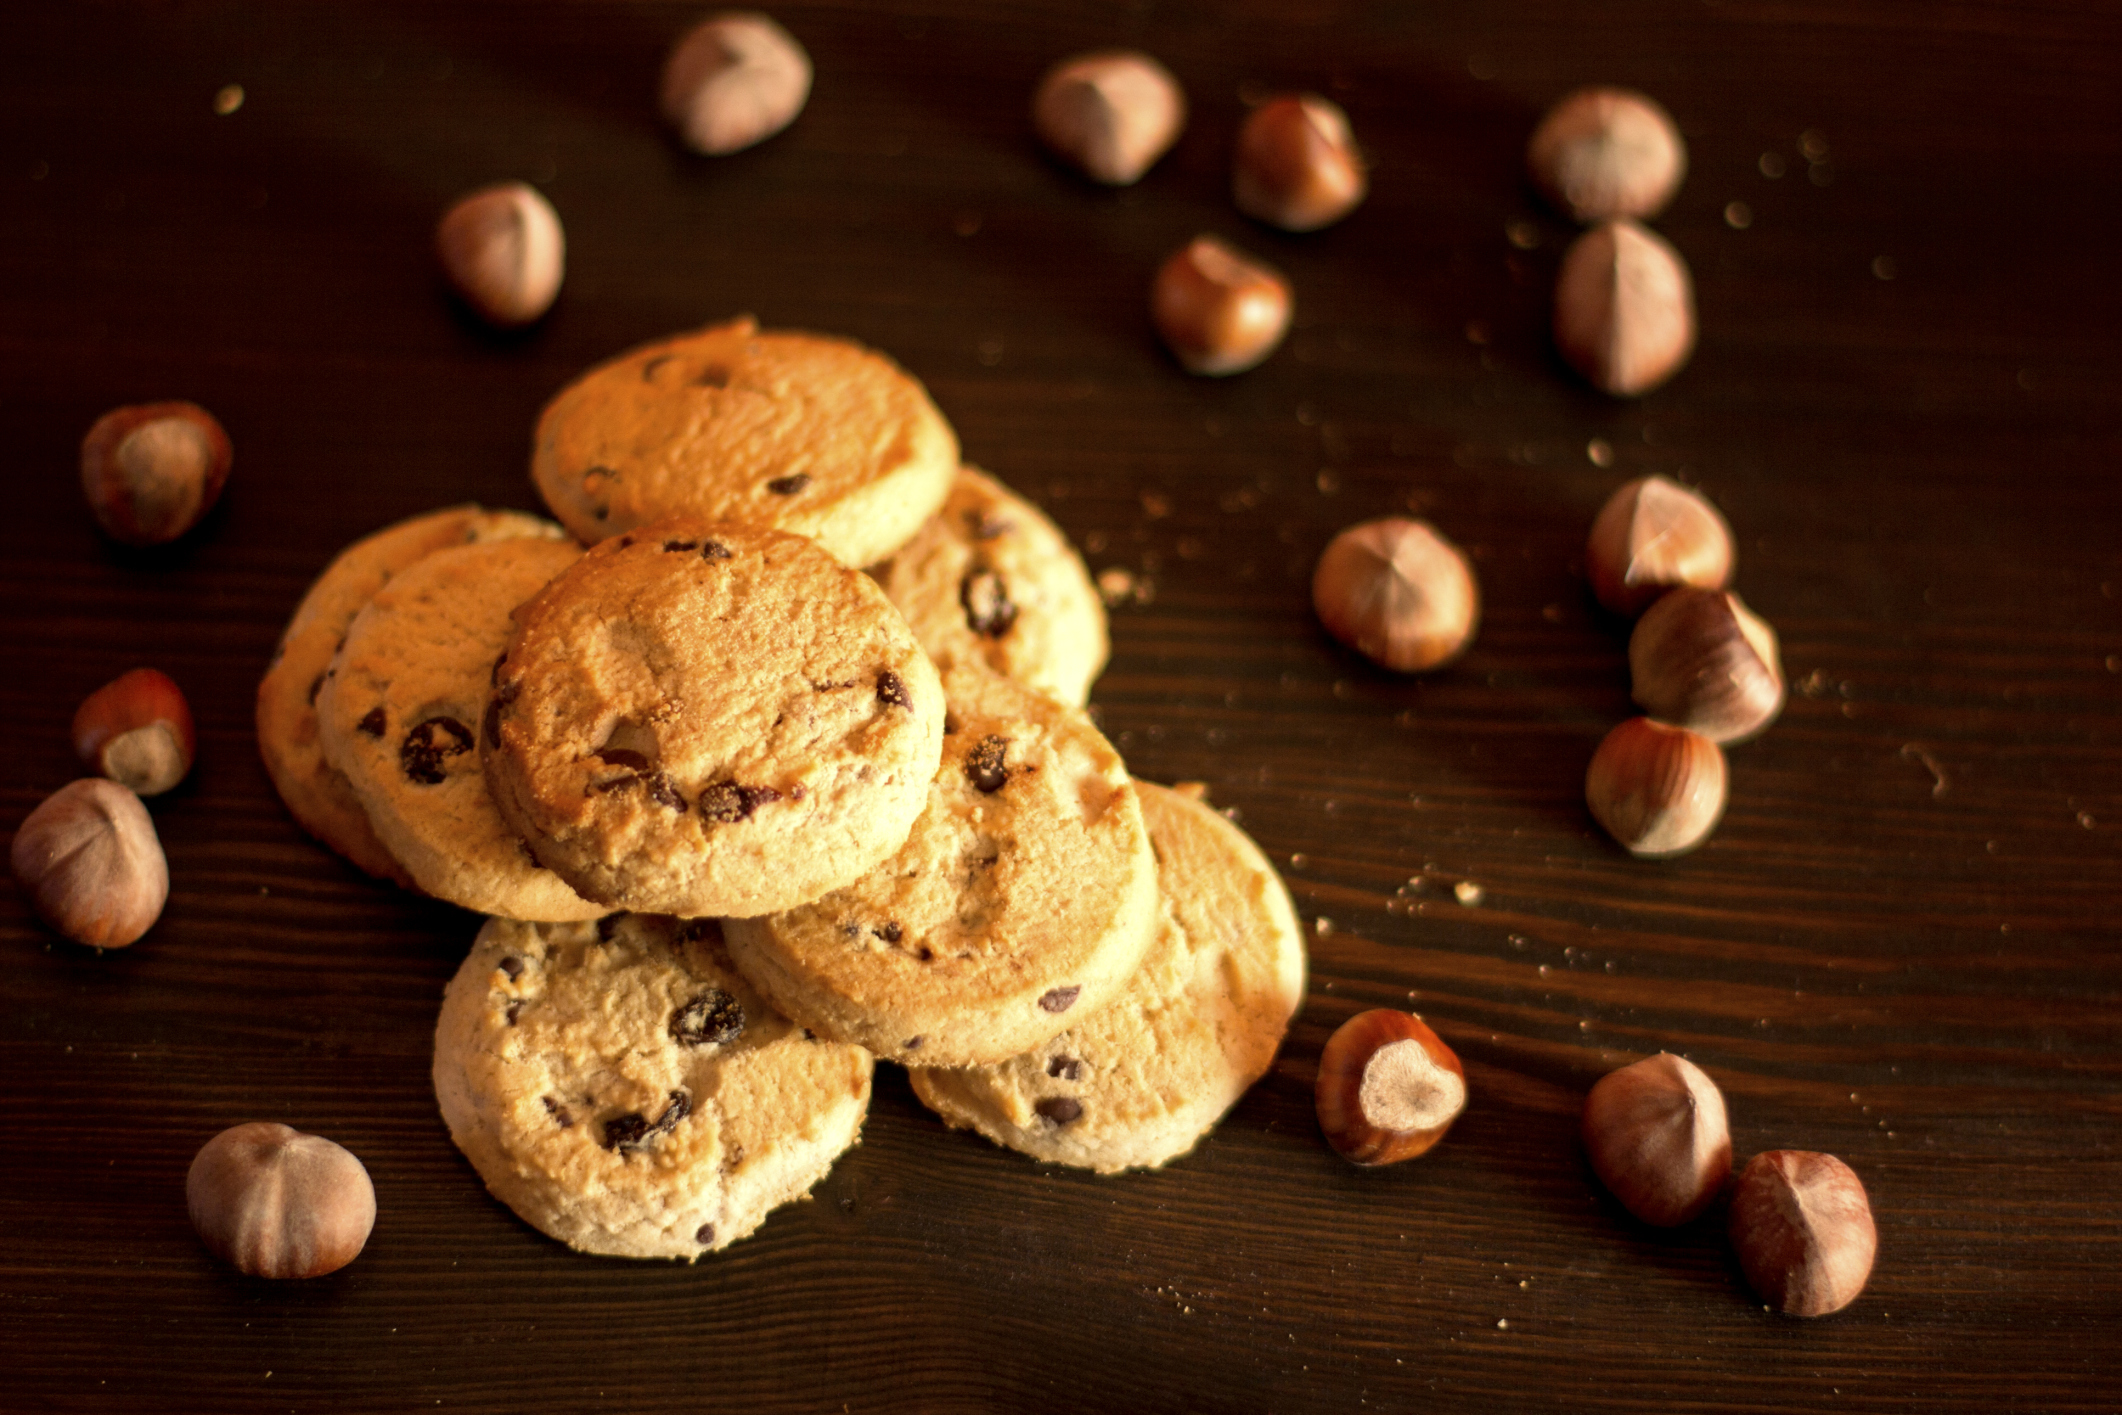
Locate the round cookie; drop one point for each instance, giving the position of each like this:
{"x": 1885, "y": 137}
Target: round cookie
{"x": 990, "y": 580}
{"x": 1143, "y": 1078}
{"x": 399, "y": 713}
{"x": 709, "y": 719}
{"x": 801, "y": 432}
{"x": 316, "y": 794}
{"x": 623, "y": 1089}
{"x": 1024, "y": 898}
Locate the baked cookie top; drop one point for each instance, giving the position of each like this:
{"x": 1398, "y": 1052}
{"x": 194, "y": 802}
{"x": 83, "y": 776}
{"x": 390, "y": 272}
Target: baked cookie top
{"x": 706, "y": 719}
{"x": 807, "y": 433}
{"x": 1143, "y": 1078}
{"x": 399, "y": 714}
{"x": 1023, "y": 899}
{"x": 989, "y": 579}
{"x": 316, "y": 794}
{"x": 625, "y": 1091}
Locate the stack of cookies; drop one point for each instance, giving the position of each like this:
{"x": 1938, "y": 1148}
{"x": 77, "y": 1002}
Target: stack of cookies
{"x": 746, "y": 817}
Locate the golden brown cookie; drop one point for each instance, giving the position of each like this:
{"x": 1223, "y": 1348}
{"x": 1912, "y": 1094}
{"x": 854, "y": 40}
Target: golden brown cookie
{"x": 1143, "y": 1078}
{"x": 990, "y": 580}
{"x": 1024, "y": 898}
{"x": 316, "y": 794}
{"x": 802, "y": 432}
{"x": 622, "y": 1089}
{"x": 705, "y": 719}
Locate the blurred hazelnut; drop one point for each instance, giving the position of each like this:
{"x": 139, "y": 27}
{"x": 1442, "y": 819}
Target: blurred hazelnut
{"x": 1388, "y": 1088}
{"x": 1802, "y": 1227}
{"x": 1624, "y": 308}
{"x": 1606, "y": 152}
{"x": 137, "y": 730}
{"x": 1657, "y": 790}
{"x": 150, "y": 471}
{"x": 1219, "y": 311}
{"x": 1112, "y": 114}
{"x": 1653, "y": 534}
{"x": 504, "y": 251}
{"x": 735, "y": 79}
{"x": 1297, "y": 166}
{"x": 91, "y": 864}
{"x": 1656, "y": 1135}
{"x": 1398, "y": 593}
{"x": 1700, "y": 659}
{"x": 273, "y": 1202}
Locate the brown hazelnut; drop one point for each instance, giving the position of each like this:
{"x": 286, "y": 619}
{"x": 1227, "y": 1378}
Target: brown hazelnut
{"x": 91, "y": 864}
{"x": 1607, "y": 152}
{"x": 1112, "y": 114}
{"x": 1219, "y": 312}
{"x": 1802, "y": 1227}
{"x": 1657, "y": 790}
{"x": 1297, "y": 166}
{"x": 271, "y": 1201}
{"x": 137, "y": 730}
{"x": 1700, "y": 659}
{"x": 735, "y": 79}
{"x": 1398, "y": 593}
{"x": 1653, "y": 534}
{"x": 504, "y": 251}
{"x": 150, "y": 471}
{"x": 1388, "y": 1089}
{"x": 1656, "y": 1135}
{"x": 1624, "y": 308}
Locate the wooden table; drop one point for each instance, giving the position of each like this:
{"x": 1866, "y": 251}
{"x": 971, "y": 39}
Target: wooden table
{"x": 1901, "y": 946}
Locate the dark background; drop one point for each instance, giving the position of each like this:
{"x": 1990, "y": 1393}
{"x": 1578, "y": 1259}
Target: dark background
{"x": 1901, "y": 946}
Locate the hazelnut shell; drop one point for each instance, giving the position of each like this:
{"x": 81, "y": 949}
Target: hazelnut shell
{"x": 1657, "y": 790}
{"x": 1296, "y": 164}
{"x": 1624, "y": 308}
{"x": 1110, "y": 114}
{"x": 735, "y": 79}
{"x": 1388, "y": 1088}
{"x": 273, "y": 1202}
{"x": 1651, "y": 535}
{"x": 1700, "y": 659}
{"x": 1397, "y": 592}
{"x": 504, "y": 252}
{"x": 90, "y": 862}
{"x": 1657, "y": 1137}
{"x": 137, "y": 730}
{"x": 152, "y": 470}
{"x": 1607, "y": 152}
{"x": 1219, "y": 311}
{"x": 1802, "y": 1227}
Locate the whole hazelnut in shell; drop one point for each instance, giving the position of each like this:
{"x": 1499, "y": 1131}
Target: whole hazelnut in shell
{"x": 1802, "y": 1227}
{"x": 1624, "y": 308}
{"x": 1110, "y": 114}
{"x": 1397, "y": 592}
{"x": 1219, "y": 311}
{"x": 504, "y": 252}
{"x": 271, "y": 1201}
{"x": 91, "y": 865}
{"x": 1657, "y": 1137}
{"x": 1651, "y": 535}
{"x": 1388, "y": 1088}
{"x": 1607, "y": 152}
{"x": 137, "y": 730}
{"x": 1296, "y": 165}
{"x": 1657, "y": 790}
{"x": 152, "y": 470}
{"x": 1700, "y": 659}
{"x": 735, "y": 79}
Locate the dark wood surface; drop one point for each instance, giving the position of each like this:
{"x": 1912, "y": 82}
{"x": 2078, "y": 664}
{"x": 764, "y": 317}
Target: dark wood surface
{"x": 1901, "y": 946}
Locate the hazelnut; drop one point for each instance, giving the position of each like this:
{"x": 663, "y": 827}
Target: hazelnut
{"x": 137, "y": 730}
{"x": 152, "y": 470}
{"x": 1607, "y": 152}
{"x": 1624, "y": 308}
{"x": 1657, "y": 790}
{"x": 1700, "y": 659}
{"x": 271, "y": 1201}
{"x": 1398, "y": 593}
{"x": 504, "y": 251}
{"x": 1656, "y": 1136}
{"x": 91, "y": 864}
{"x": 1388, "y": 1089}
{"x": 735, "y": 79}
{"x": 1297, "y": 166}
{"x": 1802, "y": 1227}
{"x": 1219, "y": 312}
{"x": 1111, "y": 114}
{"x": 1651, "y": 535}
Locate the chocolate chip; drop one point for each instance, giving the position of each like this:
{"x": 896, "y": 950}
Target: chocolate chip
{"x": 430, "y": 744}
{"x": 493, "y": 676}
{"x": 927, "y": 954}
{"x": 1060, "y": 999}
{"x": 983, "y": 765}
{"x": 675, "y": 545}
{"x": 515, "y": 1010}
{"x": 911, "y": 1044}
{"x": 713, "y": 1016}
{"x": 620, "y": 756}
{"x": 1065, "y": 1067}
{"x": 728, "y": 802}
{"x": 316, "y": 686}
{"x": 704, "y": 1235}
{"x": 558, "y": 1112}
{"x": 374, "y": 722}
{"x": 512, "y": 965}
{"x": 891, "y": 691}
{"x": 625, "y": 1131}
{"x": 1061, "y": 1110}
{"x": 713, "y": 376}
{"x": 626, "y": 542}
{"x": 789, "y": 485}
{"x": 714, "y": 550}
{"x": 607, "y": 927}
{"x": 664, "y": 791}
{"x": 681, "y": 1105}
{"x": 490, "y": 722}
{"x": 891, "y": 932}
{"x": 809, "y": 1035}
{"x": 701, "y": 931}
{"x": 988, "y": 610}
